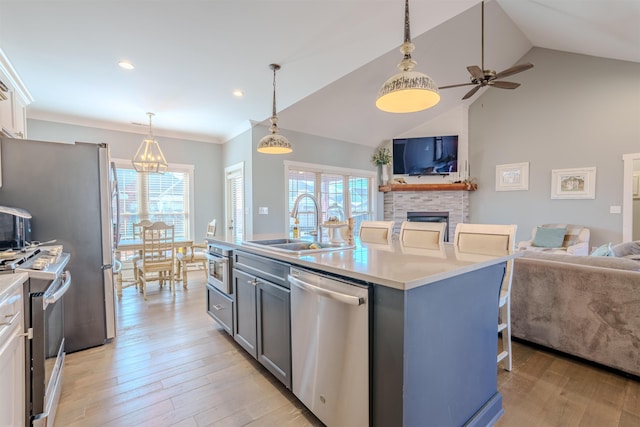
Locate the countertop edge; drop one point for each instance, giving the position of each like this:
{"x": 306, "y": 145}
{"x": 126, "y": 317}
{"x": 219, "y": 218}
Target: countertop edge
{"x": 8, "y": 282}
{"x": 400, "y": 285}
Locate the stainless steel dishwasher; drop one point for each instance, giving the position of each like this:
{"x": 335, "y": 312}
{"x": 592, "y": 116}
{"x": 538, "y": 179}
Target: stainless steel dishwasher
{"x": 330, "y": 347}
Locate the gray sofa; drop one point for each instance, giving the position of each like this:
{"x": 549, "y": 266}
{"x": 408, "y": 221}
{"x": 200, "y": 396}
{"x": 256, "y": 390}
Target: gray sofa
{"x": 582, "y": 305}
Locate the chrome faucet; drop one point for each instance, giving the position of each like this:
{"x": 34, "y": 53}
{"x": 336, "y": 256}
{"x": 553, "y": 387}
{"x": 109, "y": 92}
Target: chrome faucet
{"x": 294, "y": 212}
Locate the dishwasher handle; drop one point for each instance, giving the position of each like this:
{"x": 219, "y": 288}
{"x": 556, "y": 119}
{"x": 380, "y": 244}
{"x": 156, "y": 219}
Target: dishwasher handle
{"x": 337, "y": 296}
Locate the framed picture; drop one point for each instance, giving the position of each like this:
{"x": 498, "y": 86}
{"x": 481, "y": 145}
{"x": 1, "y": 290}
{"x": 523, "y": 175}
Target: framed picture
{"x": 636, "y": 185}
{"x": 573, "y": 183}
{"x": 512, "y": 177}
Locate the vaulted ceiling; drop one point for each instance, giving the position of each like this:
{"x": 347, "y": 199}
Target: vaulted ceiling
{"x": 189, "y": 55}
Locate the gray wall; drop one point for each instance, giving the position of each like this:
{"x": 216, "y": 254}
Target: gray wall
{"x": 571, "y": 111}
{"x": 206, "y": 158}
{"x": 269, "y": 177}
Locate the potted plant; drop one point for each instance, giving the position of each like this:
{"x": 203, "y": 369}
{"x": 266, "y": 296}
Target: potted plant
{"x": 382, "y": 158}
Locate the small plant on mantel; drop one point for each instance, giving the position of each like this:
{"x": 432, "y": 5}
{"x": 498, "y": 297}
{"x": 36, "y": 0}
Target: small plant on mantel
{"x": 382, "y": 157}
{"x": 471, "y": 183}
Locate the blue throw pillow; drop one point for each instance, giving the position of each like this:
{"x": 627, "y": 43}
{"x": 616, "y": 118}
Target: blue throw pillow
{"x": 604, "y": 250}
{"x": 549, "y": 237}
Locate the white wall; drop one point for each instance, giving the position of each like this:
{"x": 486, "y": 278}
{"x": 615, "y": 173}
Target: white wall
{"x": 206, "y": 158}
{"x": 571, "y": 111}
{"x": 269, "y": 177}
{"x": 452, "y": 122}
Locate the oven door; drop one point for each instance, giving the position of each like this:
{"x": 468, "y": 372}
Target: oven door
{"x": 47, "y": 350}
{"x": 218, "y": 272}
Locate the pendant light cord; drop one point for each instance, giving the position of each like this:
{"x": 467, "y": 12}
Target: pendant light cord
{"x": 407, "y": 29}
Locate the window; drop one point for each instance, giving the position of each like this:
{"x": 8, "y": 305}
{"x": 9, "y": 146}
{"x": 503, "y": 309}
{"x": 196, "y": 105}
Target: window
{"x": 333, "y": 187}
{"x": 235, "y": 201}
{"x": 156, "y": 197}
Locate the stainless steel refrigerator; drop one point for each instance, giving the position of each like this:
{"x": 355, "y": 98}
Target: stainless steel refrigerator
{"x": 69, "y": 189}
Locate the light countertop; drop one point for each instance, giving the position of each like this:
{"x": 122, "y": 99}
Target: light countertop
{"x": 8, "y": 283}
{"x": 392, "y": 265}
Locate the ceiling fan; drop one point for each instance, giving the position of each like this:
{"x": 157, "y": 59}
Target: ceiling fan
{"x": 481, "y": 77}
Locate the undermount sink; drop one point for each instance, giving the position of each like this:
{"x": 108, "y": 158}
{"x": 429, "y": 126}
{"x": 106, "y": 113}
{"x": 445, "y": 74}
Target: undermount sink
{"x": 297, "y": 246}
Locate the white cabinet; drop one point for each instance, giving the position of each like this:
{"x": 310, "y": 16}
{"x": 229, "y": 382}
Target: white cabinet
{"x": 12, "y": 358}
{"x": 13, "y": 101}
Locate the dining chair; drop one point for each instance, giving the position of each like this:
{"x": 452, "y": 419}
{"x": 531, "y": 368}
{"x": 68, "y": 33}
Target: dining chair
{"x": 137, "y": 235}
{"x": 195, "y": 255}
{"x": 493, "y": 239}
{"x": 427, "y": 235}
{"x": 376, "y": 231}
{"x": 158, "y": 256}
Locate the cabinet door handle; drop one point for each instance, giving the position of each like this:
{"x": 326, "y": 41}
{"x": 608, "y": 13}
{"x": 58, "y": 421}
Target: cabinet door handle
{"x": 253, "y": 282}
{"x": 218, "y": 307}
{"x": 10, "y": 321}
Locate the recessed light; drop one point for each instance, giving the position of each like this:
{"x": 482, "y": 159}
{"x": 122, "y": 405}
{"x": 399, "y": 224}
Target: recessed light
{"x": 238, "y": 93}
{"x": 126, "y": 65}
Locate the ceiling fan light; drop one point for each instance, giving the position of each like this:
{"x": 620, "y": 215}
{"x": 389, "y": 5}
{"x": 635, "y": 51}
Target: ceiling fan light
{"x": 408, "y": 92}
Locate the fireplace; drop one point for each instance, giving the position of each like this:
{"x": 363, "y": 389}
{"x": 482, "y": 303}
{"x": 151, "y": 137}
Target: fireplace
{"x": 431, "y": 217}
{"x": 397, "y": 204}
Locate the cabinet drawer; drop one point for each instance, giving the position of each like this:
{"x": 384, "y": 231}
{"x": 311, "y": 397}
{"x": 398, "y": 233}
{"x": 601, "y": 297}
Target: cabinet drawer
{"x": 265, "y": 268}
{"x": 11, "y": 312}
{"x": 220, "y": 307}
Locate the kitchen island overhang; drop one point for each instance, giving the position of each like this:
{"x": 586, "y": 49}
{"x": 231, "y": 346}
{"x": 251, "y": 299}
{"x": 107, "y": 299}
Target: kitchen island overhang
{"x": 433, "y": 329}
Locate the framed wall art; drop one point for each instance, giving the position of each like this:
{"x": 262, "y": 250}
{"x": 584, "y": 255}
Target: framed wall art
{"x": 573, "y": 183}
{"x": 636, "y": 185}
{"x": 512, "y": 177}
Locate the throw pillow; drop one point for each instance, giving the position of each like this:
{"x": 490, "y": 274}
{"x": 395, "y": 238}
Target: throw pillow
{"x": 604, "y": 250}
{"x": 628, "y": 248}
{"x": 549, "y": 237}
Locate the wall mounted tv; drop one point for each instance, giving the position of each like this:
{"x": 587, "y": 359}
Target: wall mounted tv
{"x": 429, "y": 155}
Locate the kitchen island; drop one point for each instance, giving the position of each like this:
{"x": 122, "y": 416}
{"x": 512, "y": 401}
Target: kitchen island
{"x": 433, "y": 328}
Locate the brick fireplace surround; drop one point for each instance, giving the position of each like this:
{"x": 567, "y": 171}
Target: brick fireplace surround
{"x": 398, "y": 203}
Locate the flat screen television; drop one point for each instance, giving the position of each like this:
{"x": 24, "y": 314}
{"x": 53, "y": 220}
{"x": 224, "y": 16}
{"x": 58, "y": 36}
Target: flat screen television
{"x": 428, "y": 155}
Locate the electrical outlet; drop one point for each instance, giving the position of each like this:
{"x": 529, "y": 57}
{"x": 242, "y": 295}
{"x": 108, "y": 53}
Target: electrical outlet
{"x": 615, "y": 209}
{"x": 263, "y": 210}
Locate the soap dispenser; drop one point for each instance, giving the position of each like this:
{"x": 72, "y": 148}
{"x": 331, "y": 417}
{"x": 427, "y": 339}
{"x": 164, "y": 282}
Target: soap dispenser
{"x": 296, "y": 230}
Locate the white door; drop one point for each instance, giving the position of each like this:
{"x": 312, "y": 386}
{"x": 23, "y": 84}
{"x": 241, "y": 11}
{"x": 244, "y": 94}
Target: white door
{"x": 234, "y": 203}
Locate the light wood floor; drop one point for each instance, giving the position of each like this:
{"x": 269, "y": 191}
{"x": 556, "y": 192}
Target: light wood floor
{"x": 171, "y": 365}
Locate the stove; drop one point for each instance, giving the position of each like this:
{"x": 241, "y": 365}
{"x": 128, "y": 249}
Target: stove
{"x": 11, "y": 259}
{"x": 43, "y": 262}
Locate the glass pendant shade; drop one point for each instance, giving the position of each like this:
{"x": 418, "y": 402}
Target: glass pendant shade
{"x": 149, "y": 157}
{"x": 408, "y": 91}
{"x": 274, "y": 143}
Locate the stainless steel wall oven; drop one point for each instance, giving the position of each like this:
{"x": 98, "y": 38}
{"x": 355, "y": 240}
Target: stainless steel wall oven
{"x": 219, "y": 268}
{"x": 219, "y": 285}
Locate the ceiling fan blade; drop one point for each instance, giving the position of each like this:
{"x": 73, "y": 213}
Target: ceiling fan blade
{"x": 450, "y": 86}
{"x": 476, "y": 72}
{"x": 504, "y": 85}
{"x": 471, "y": 92}
{"x": 514, "y": 70}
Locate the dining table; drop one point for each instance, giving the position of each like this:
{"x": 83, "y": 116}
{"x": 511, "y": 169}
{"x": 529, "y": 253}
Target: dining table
{"x": 132, "y": 245}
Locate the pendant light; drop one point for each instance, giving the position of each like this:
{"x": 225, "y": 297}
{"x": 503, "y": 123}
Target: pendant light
{"x": 408, "y": 91}
{"x": 149, "y": 157}
{"x": 274, "y": 143}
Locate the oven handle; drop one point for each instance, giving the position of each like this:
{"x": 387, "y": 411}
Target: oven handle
{"x": 216, "y": 259}
{"x": 50, "y": 298}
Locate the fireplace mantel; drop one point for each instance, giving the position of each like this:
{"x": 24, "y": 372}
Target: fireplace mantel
{"x": 460, "y": 186}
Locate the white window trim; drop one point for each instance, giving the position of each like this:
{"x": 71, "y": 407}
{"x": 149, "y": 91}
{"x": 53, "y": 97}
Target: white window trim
{"x": 177, "y": 167}
{"x": 313, "y": 167}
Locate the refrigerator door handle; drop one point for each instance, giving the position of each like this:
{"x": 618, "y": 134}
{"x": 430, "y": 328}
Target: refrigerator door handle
{"x": 116, "y": 194}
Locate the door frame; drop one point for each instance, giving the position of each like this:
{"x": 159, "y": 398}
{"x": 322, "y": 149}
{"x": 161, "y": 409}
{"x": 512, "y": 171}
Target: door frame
{"x": 627, "y": 196}
{"x": 228, "y": 214}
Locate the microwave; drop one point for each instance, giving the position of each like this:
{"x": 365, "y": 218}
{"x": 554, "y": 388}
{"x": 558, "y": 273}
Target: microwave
{"x": 15, "y": 228}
